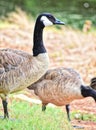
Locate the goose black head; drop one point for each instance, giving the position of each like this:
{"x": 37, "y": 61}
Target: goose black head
{"x": 87, "y": 91}
{"x": 48, "y": 19}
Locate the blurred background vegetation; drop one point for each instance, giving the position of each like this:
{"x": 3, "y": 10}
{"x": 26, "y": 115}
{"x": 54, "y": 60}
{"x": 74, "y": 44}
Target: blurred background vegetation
{"x": 73, "y": 12}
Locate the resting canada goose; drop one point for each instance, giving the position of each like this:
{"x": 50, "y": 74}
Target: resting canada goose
{"x": 19, "y": 69}
{"x": 61, "y": 86}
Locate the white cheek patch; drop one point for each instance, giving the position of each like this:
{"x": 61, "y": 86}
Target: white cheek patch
{"x": 46, "y": 21}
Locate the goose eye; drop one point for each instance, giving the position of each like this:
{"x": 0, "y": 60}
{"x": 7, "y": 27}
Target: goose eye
{"x": 51, "y": 18}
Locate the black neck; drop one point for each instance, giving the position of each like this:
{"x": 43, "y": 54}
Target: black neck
{"x": 88, "y": 92}
{"x": 38, "y": 46}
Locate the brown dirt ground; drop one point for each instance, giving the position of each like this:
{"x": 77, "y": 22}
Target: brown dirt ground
{"x": 84, "y": 106}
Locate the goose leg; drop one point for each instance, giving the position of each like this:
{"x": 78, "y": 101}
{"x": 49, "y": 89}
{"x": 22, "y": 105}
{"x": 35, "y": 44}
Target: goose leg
{"x": 68, "y": 112}
{"x": 69, "y": 119}
{"x": 43, "y": 106}
{"x": 4, "y": 102}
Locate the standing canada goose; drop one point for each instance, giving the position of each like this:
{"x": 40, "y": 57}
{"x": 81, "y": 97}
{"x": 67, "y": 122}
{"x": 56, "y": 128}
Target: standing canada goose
{"x": 61, "y": 86}
{"x": 19, "y": 69}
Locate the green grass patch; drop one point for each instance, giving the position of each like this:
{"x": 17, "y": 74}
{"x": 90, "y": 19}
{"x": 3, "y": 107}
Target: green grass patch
{"x": 83, "y": 116}
{"x": 30, "y": 117}
{"x": 5, "y": 24}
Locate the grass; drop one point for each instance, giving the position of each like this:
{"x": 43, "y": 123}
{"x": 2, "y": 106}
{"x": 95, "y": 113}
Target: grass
{"x": 4, "y": 24}
{"x": 30, "y": 117}
{"x": 83, "y": 116}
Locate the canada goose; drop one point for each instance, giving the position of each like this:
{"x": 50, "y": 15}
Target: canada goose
{"x": 61, "y": 86}
{"x": 93, "y": 83}
{"x": 19, "y": 69}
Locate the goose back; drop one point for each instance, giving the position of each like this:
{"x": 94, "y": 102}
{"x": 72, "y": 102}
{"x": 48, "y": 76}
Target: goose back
{"x": 18, "y": 69}
{"x": 59, "y": 86}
